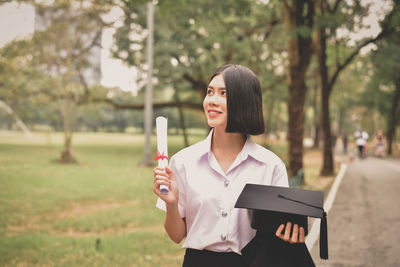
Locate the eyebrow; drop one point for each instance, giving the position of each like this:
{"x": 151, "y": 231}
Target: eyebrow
{"x": 219, "y": 88}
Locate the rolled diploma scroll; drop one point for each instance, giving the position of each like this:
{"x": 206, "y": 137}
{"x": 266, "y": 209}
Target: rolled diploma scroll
{"x": 162, "y": 147}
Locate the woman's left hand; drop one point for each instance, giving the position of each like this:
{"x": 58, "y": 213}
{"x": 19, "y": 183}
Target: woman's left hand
{"x": 298, "y": 236}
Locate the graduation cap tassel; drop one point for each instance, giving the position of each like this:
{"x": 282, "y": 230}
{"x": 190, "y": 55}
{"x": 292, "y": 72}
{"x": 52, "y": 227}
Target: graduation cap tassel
{"x": 323, "y": 239}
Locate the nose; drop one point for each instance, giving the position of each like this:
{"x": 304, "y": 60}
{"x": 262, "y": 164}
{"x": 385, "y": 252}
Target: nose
{"x": 214, "y": 99}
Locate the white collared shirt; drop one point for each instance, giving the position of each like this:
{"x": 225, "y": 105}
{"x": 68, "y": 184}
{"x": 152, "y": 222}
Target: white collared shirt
{"x": 207, "y": 195}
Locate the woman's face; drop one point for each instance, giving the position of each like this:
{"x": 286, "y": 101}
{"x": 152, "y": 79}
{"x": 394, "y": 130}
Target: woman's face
{"x": 214, "y": 103}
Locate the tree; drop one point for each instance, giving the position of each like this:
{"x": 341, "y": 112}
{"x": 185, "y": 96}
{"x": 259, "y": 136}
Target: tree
{"x": 384, "y": 87}
{"x": 202, "y": 36}
{"x": 325, "y": 23}
{"x": 64, "y": 48}
{"x": 19, "y": 79}
{"x": 299, "y": 20}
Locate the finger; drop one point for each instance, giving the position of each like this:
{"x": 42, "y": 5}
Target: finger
{"x": 170, "y": 173}
{"x": 286, "y": 237}
{"x": 160, "y": 171}
{"x": 162, "y": 182}
{"x": 156, "y": 188}
{"x": 302, "y": 235}
{"x": 295, "y": 234}
{"x": 156, "y": 174}
{"x": 160, "y": 177}
{"x": 167, "y": 170}
{"x": 279, "y": 231}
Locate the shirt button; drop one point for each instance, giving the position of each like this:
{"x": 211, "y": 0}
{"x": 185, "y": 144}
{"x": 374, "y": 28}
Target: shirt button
{"x": 223, "y": 237}
{"x": 224, "y": 213}
{"x": 226, "y": 183}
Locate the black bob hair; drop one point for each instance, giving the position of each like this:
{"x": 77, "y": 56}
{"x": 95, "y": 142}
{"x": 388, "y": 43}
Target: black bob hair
{"x": 244, "y": 99}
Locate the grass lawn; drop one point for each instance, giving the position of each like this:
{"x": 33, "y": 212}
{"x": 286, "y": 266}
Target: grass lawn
{"x": 97, "y": 213}
{"x": 100, "y": 212}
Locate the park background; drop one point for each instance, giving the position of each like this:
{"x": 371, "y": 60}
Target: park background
{"x": 75, "y": 169}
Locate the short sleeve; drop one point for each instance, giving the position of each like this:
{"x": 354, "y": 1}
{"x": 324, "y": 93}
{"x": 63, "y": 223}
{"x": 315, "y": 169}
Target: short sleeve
{"x": 279, "y": 175}
{"x": 180, "y": 176}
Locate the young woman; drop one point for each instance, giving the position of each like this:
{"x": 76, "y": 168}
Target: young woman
{"x": 206, "y": 179}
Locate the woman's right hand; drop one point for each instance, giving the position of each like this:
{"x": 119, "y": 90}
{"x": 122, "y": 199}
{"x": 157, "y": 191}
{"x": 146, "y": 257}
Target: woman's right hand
{"x": 167, "y": 178}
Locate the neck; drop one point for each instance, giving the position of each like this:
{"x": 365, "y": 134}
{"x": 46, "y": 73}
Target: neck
{"x": 227, "y": 142}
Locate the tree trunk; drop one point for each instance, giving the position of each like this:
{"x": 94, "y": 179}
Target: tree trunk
{"x": 316, "y": 117}
{"x": 327, "y": 167}
{"x": 296, "y": 125}
{"x": 68, "y": 98}
{"x": 66, "y": 154}
{"x": 394, "y": 117}
{"x": 298, "y": 14}
{"x": 316, "y": 135}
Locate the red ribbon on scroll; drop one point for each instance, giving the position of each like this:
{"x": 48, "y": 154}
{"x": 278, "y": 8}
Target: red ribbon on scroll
{"x": 160, "y": 156}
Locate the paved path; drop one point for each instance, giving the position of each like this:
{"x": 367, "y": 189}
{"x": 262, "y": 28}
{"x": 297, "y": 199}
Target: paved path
{"x": 364, "y": 222}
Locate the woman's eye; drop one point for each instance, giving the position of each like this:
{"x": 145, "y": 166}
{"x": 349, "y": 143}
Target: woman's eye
{"x": 209, "y": 91}
{"x": 223, "y": 92}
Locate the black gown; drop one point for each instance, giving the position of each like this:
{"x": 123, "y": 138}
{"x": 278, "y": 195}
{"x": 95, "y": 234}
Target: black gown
{"x": 268, "y": 250}
{"x": 272, "y": 206}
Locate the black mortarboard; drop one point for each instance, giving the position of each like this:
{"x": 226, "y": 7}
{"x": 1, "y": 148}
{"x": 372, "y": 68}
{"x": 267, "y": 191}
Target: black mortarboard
{"x": 273, "y": 206}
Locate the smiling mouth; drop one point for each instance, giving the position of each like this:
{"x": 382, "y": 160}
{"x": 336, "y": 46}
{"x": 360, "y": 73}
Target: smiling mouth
{"x": 214, "y": 112}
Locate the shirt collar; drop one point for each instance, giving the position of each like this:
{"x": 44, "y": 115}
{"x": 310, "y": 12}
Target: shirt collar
{"x": 205, "y": 147}
{"x": 250, "y": 148}
{"x": 253, "y": 150}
